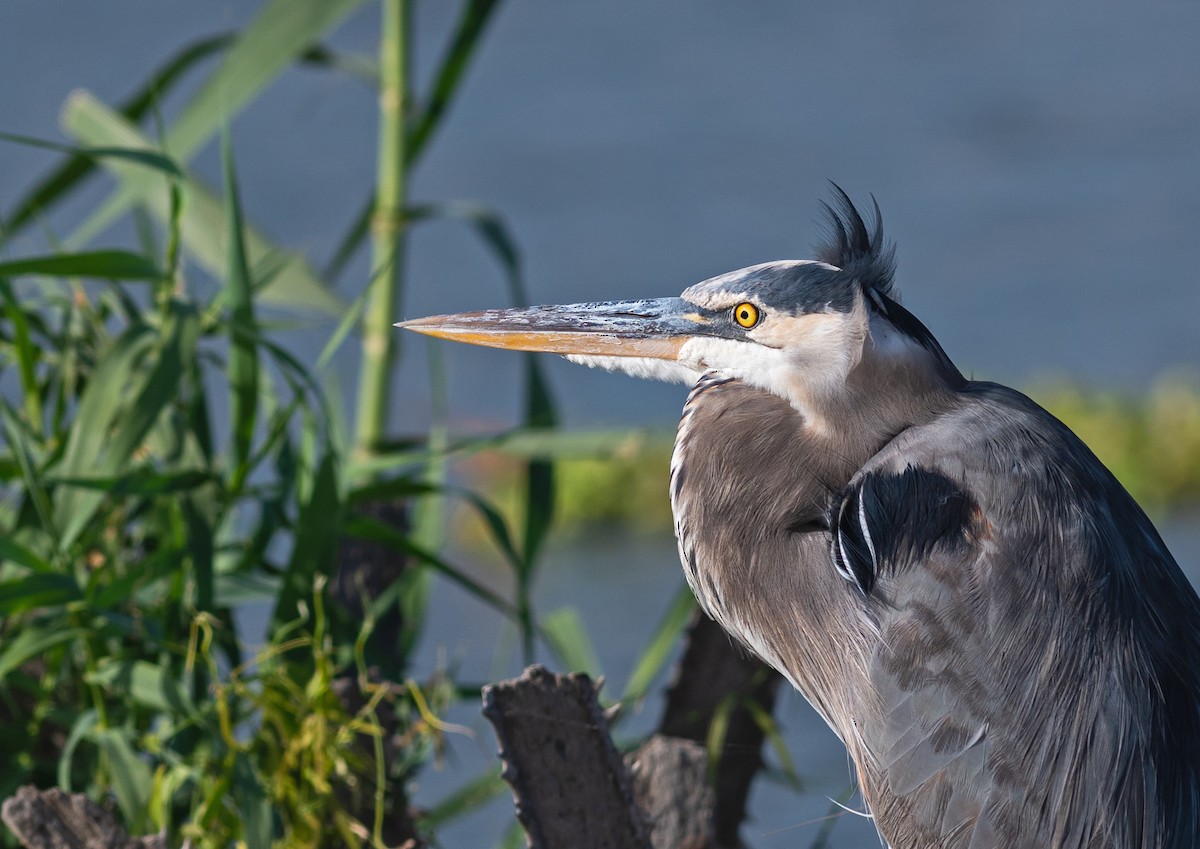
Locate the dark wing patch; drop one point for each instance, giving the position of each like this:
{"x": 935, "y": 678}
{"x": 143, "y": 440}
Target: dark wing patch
{"x": 885, "y": 520}
{"x": 853, "y": 545}
{"x": 863, "y": 253}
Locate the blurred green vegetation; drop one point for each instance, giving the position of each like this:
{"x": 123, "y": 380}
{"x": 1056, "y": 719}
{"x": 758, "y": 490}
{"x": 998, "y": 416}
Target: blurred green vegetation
{"x": 618, "y": 479}
{"x": 605, "y": 480}
{"x": 166, "y": 463}
{"x": 1151, "y": 441}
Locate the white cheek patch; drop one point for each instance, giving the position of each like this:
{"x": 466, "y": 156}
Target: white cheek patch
{"x": 705, "y": 353}
{"x": 822, "y": 343}
{"x": 644, "y": 367}
{"x": 758, "y": 365}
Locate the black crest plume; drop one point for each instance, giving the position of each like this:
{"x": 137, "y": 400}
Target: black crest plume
{"x": 862, "y": 253}
{"x": 855, "y": 248}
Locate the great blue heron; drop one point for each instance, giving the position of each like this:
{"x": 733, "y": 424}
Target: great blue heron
{"x": 968, "y": 597}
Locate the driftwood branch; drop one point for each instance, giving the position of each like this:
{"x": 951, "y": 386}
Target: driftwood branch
{"x": 51, "y": 819}
{"x": 714, "y": 671}
{"x": 671, "y": 786}
{"x": 570, "y": 786}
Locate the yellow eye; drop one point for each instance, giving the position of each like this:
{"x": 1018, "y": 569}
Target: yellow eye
{"x": 746, "y": 315}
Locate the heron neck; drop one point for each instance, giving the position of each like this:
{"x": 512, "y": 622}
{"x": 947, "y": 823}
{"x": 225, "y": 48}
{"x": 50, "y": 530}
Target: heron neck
{"x": 894, "y": 386}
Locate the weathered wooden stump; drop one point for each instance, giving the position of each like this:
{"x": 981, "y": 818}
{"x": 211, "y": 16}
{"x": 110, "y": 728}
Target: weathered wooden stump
{"x": 52, "y": 819}
{"x": 569, "y": 783}
{"x": 572, "y": 789}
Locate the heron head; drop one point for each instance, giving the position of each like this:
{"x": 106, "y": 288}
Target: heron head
{"x": 796, "y": 328}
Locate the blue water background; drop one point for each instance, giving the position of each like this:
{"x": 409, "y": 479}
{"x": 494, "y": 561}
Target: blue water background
{"x": 1038, "y": 165}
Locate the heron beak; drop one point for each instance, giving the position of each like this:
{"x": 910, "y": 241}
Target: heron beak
{"x": 650, "y": 328}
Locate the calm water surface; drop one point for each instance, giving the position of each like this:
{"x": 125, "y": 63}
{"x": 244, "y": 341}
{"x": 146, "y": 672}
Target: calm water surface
{"x": 1038, "y": 164}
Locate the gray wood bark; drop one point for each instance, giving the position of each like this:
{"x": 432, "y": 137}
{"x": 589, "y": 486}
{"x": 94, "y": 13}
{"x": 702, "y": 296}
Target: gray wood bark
{"x": 569, "y": 784}
{"x": 714, "y": 668}
{"x": 671, "y": 786}
{"x": 570, "y": 787}
{"x": 51, "y": 819}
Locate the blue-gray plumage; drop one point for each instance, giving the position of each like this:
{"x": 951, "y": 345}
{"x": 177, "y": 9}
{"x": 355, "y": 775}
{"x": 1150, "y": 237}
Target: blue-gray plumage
{"x": 954, "y": 581}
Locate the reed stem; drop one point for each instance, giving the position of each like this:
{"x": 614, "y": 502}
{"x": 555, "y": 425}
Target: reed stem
{"x": 379, "y": 339}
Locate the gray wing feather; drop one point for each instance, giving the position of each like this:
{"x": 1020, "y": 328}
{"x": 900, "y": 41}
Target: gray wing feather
{"x": 1021, "y": 601}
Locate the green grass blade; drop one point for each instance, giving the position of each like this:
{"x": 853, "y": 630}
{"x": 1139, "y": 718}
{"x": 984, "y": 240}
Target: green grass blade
{"x": 33, "y": 640}
{"x": 157, "y": 570}
{"x": 428, "y": 514}
{"x": 19, "y": 442}
{"x": 280, "y": 33}
{"x": 148, "y": 158}
{"x": 154, "y": 393}
{"x": 200, "y": 551}
{"x": 107, "y": 265}
{"x": 236, "y": 589}
{"x": 366, "y": 528}
{"x": 144, "y": 482}
{"x": 472, "y": 22}
{"x": 253, "y": 805}
{"x": 130, "y": 775}
{"x": 106, "y": 432}
{"x": 347, "y": 323}
{"x": 356, "y": 65}
{"x": 81, "y": 729}
{"x": 599, "y": 444}
{"x": 488, "y": 226}
{"x": 317, "y": 530}
{"x": 243, "y": 353}
{"x": 351, "y": 242}
{"x": 26, "y": 356}
{"x": 78, "y": 166}
{"x": 16, "y": 553}
{"x": 202, "y": 222}
{"x": 718, "y": 730}
{"x": 389, "y": 489}
{"x": 564, "y": 631}
{"x": 539, "y": 475}
{"x": 469, "y": 797}
{"x": 143, "y": 226}
{"x": 147, "y": 685}
{"x": 100, "y": 401}
{"x": 514, "y": 837}
{"x": 40, "y": 589}
{"x": 498, "y": 528}
{"x": 661, "y": 646}
{"x": 770, "y": 729}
